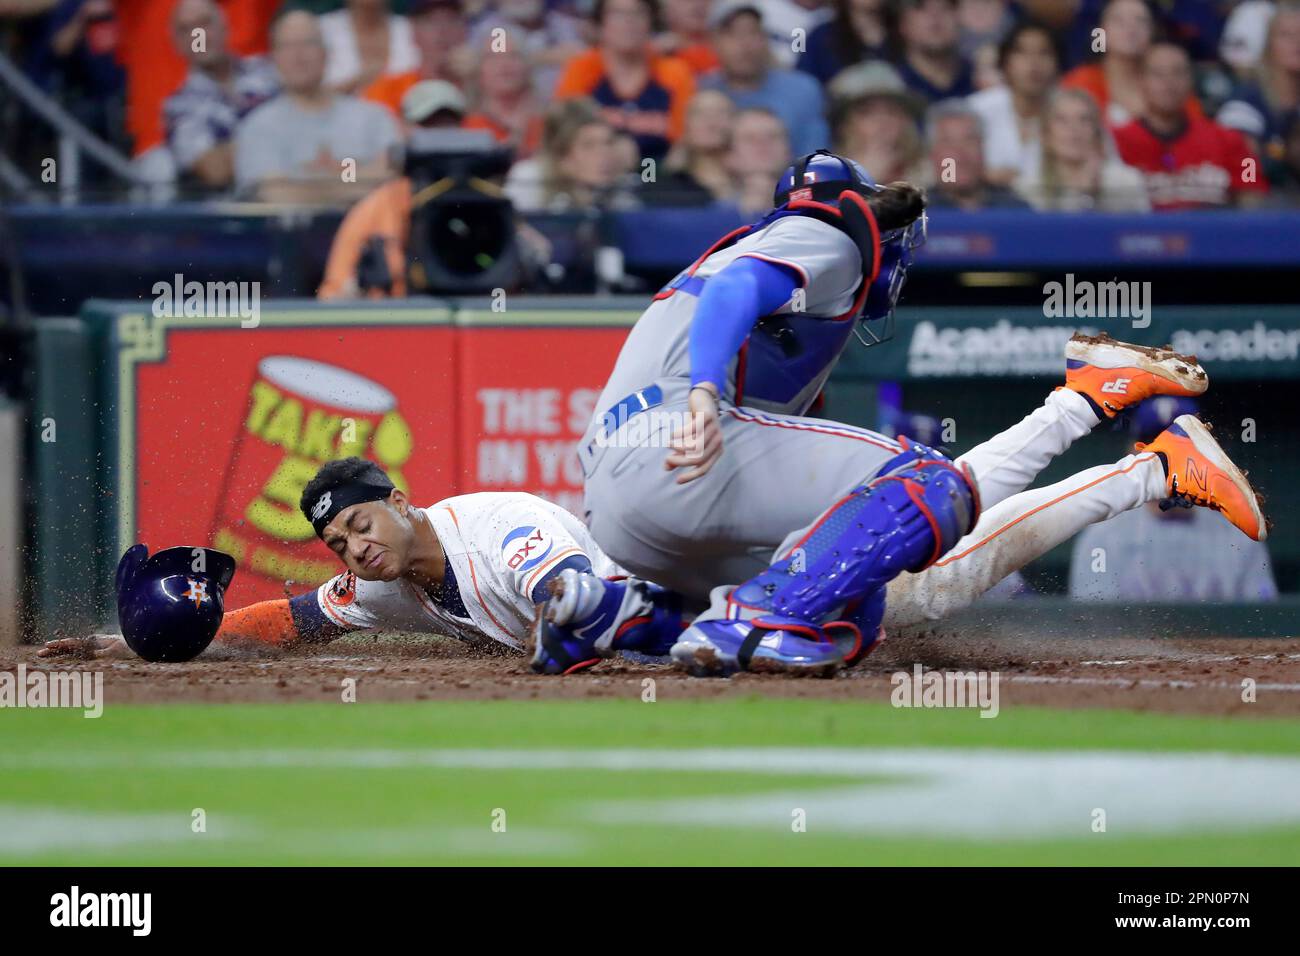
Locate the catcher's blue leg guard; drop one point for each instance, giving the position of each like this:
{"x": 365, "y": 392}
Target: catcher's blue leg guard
{"x": 859, "y": 631}
{"x": 588, "y": 618}
{"x": 811, "y": 606}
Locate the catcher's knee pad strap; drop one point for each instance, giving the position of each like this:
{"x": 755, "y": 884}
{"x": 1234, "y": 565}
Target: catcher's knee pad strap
{"x": 900, "y": 522}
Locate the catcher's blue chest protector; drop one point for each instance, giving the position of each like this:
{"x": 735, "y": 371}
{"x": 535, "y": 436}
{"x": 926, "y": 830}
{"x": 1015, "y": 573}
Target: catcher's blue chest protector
{"x": 785, "y": 352}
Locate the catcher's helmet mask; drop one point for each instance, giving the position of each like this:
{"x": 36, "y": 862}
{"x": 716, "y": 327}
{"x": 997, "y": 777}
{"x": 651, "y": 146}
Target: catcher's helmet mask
{"x": 170, "y": 605}
{"x": 831, "y": 177}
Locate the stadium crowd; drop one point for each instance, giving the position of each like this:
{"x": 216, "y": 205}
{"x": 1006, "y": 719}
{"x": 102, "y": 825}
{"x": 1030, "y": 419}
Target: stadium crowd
{"x": 1117, "y": 105}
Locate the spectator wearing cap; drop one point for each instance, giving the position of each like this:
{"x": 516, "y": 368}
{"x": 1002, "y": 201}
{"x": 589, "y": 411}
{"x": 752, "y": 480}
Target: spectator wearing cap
{"x": 1171, "y": 556}
{"x": 1115, "y": 79}
{"x": 434, "y": 104}
{"x": 370, "y": 245}
{"x": 875, "y": 118}
{"x": 956, "y": 145}
{"x": 364, "y": 41}
{"x": 1189, "y": 162}
{"x": 578, "y": 166}
{"x": 1257, "y": 107}
{"x": 686, "y": 34}
{"x": 640, "y": 91}
{"x": 439, "y": 30}
{"x": 547, "y": 38}
{"x": 310, "y": 144}
{"x": 696, "y": 171}
{"x": 219, "y": 91}
{"x": 746, "y": 74}
{"x": 760, "y": 152}
{"x": 1012, "y": 112}
{"x": 859, "y": 31}
{"x": 1078, "y": 170}
{"x": 928, "y": 56}
{"x": 505, "y": 103}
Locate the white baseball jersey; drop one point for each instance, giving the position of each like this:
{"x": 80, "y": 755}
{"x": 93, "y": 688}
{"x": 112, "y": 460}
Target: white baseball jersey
{"x": 500, "y": 546}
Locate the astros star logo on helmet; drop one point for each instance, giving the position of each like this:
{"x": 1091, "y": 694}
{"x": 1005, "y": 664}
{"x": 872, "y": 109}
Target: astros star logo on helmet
{"x": 198, "y": 591}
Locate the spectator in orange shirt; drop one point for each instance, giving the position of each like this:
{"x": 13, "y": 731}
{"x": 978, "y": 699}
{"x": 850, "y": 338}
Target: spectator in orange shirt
{"x": 640, "y": 92}
{"x": 368, "y": 256}
{"x": 687, "y": 35}
{"x": 1115, "y": 80}
{"x": 506, "y": 104}
{"x": 440, "y": 31}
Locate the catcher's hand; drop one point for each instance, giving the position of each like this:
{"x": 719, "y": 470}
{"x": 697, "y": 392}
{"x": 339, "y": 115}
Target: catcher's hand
{"x": 698, "y": 445}
{"x": 97, "y": 647}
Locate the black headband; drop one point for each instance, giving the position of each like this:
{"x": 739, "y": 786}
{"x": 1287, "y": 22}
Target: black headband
{"x": 331, "y": 502}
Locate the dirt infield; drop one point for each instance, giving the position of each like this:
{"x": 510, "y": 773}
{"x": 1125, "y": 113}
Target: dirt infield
{"x": 1201, "y": 676}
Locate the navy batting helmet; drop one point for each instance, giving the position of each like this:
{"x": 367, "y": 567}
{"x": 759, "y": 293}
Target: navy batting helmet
{"x": 170, "y": 605}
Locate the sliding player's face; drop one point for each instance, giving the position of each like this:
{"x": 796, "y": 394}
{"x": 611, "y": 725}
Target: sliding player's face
{"x": 373, "y": 539}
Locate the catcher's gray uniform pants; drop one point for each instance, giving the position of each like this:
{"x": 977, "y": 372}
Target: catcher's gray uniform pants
{"x": 777, "y": 473}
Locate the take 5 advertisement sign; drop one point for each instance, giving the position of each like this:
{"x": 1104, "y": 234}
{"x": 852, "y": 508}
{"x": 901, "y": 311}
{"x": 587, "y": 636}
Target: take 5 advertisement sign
{"x": 219, "y": 428}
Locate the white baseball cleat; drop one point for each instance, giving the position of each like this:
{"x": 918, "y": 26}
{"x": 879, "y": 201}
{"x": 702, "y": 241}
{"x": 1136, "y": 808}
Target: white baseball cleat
{"x": 1114, "y": 375}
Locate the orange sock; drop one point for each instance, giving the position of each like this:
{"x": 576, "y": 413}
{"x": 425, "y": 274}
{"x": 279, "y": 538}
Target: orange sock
{"x": 270, "y": 622}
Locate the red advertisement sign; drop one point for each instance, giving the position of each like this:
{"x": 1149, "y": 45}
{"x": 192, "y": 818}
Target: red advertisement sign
{"x": 231, "y": 423}
{"x": 528, "y": 395}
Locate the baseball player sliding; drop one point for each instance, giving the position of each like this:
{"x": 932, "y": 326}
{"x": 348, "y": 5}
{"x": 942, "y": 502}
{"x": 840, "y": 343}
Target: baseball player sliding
{"x": 473, "y": 567}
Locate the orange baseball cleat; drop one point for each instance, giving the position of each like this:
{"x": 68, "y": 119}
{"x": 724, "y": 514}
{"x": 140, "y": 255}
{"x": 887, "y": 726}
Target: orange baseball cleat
{"x": 1113, "y": 375}
{"x": 1199, "y": 472}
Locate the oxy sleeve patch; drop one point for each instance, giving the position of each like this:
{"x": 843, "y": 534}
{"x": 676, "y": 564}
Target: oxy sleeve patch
{"x": 525, "y": 548}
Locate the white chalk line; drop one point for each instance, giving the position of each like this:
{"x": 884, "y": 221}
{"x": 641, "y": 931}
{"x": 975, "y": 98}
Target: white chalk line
{"x": 970, "y": 794}
{"x": 1144, "y": 682}
{"x": 27, "y": 831}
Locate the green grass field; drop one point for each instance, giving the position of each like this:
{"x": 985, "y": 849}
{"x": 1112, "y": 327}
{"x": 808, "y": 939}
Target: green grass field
{"x": 731, "y": 781}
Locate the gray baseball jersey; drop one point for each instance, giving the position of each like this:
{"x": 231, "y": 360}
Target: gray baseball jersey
{"x": 779, "y": 470}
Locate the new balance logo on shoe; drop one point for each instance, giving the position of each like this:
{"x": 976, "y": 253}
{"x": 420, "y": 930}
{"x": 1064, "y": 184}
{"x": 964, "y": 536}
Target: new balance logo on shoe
{"x": 1118, "y": 387}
